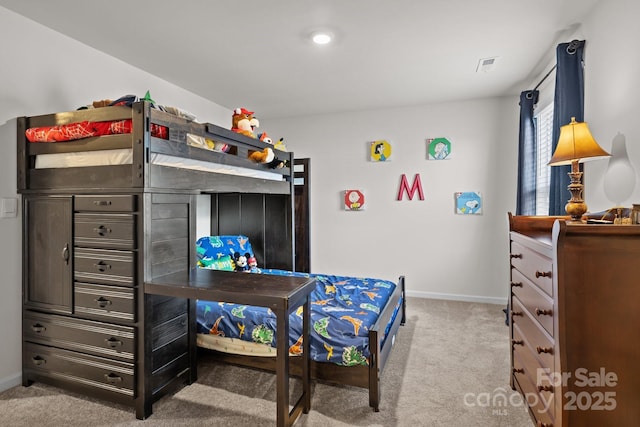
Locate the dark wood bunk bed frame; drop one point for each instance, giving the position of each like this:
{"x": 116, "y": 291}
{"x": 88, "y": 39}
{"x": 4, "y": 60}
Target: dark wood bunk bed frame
{"x": 106, "y": 230}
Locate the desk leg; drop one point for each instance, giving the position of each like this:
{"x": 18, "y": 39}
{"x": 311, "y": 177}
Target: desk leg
{"x": 193, "y": 346}
{"x": 306, "y": 371}
{"x": 282, "y": 368}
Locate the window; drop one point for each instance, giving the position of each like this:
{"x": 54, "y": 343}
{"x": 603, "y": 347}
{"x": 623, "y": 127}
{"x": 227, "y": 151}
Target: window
{"x": 544, "y": 135}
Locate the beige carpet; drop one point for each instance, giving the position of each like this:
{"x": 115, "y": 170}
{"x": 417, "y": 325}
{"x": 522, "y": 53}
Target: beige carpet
{"x": 449, "y": 367}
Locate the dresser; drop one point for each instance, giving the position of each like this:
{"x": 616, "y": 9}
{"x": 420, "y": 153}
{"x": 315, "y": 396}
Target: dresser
{"x": 575, "y": 321}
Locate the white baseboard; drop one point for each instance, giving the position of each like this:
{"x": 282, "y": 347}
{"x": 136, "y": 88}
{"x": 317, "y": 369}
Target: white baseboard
{"x": 9, "y": 382}
{"x": 457, "y": 297}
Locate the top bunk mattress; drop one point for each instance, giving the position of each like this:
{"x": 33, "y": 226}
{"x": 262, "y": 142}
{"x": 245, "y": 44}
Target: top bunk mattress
{"x": 124, "y": 156}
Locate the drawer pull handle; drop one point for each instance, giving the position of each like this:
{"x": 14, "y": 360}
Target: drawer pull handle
{"x": 516, "y": 313}
{"x": 102, "y": 230}
{"x": 517, "y": 342}
{"x": 541, "y": 350}
{"x": 518, "y": 371}
{"x": 515, "y": 256}
{"x": 37, "y": 328}
{"x": 543, "y": 274}
{"x": 541, "y": 312}
{"x": 38, "y": 360}
{"x": 112, "y": 378}
{"x": 65, "y": 253}
{"x": 545, "y": 388}
{"x": 113, "y": 342}
{"x": 102, "y": 266}
{"x": 516, "y": 284}
{"x": 103, "y": 302}
{"x": 102, "y": 202}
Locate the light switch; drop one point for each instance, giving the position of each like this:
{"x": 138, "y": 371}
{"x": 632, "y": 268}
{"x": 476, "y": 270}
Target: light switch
{"x": 9, "y": 207}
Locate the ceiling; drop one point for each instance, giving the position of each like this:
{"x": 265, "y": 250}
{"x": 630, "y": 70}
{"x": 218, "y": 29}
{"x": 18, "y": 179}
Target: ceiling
{"x": 257, "y": 54}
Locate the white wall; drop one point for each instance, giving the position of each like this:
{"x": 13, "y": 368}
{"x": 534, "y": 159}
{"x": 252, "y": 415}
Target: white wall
{"x": 612, "y": 91}
{"x": 44, "y": 72}
{"x": 441, "y": 254}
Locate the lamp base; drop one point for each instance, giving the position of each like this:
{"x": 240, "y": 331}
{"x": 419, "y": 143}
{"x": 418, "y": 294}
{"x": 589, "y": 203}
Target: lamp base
{"x": 576, "y": 207}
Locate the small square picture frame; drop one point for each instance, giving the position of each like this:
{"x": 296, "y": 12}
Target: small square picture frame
{"x": 380, "y": 150}
{"x": 438, "y": 149}
{"x": 468, "y": 202}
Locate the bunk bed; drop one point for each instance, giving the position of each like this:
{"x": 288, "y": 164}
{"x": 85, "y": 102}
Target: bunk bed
{"x": 140, "y": 147}
{"x": 130, "y": 193}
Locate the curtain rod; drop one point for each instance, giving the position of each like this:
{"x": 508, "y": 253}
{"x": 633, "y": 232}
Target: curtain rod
{"x": 544, "y": 78}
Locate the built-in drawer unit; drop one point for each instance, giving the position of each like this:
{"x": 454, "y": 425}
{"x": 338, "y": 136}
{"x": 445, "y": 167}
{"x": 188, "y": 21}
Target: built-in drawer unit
{"x": 87, "y": 336}
{"x": 106, "y": 203}
{"x": 110, "y": 303}
{"x": 108, "y": 231}
{"x": 79, "y": 368}
{"x": 104, "y": 266}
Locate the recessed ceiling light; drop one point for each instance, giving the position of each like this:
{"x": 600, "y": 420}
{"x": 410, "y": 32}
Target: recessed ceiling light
{"x": 321, "y": 38}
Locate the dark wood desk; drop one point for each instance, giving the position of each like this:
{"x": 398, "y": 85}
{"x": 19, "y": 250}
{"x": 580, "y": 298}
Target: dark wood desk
{"x": 282, "y": 294}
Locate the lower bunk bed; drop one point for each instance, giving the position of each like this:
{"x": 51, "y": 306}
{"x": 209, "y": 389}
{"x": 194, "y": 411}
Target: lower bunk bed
{"x": 354, "y": 321}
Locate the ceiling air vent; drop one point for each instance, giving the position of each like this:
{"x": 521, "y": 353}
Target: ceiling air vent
{"x": 486, "y": 64}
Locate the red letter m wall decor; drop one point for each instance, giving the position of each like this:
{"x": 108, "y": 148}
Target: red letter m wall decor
{"x": 404, "y": 187}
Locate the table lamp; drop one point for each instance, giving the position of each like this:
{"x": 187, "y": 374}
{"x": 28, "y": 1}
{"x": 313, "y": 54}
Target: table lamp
{"x": 575, "y": 145}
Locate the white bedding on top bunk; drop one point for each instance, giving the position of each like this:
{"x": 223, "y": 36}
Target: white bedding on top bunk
{"x": 124, "y": 156}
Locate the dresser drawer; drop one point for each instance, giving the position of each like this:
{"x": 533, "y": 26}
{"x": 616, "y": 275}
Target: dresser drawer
{"x": 104, "y": 302}
{"x": 78, "y": 368}
{"x": 526, "y": 363}
{"x": 533, "y": 265}
{"x": 119, "y": 203}
{"x": 533, "y": 335}
{"x": 541, "y": 404}
{"x": 109, "y": 267}
{"x": 86, "y": 336}
{"x": 109, "y": 231}
{"x": 538, "y": 303}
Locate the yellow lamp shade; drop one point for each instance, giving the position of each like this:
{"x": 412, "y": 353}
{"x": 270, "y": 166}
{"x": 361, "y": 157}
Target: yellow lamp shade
{"x": 575, "y": 143}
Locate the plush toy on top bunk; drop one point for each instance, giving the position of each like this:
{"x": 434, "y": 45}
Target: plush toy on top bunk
{"x": 244, "y": 123}
{"x": 275, "y": 162}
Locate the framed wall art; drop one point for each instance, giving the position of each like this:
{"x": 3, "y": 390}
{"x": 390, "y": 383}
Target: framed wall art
{"x": 380, "y": 151}
{"x": 468, "y": 202}
{"x": 438, "y": 149}
{"x": 353, "y": 200}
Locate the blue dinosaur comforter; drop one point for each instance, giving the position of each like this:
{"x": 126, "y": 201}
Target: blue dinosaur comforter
{"x": 342, "y": 311}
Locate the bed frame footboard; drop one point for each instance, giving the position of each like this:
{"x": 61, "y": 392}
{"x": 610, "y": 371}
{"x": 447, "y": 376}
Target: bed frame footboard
{"x": 380, "y": 345}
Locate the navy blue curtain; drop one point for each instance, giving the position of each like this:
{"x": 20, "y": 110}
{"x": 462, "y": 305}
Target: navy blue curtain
{"x": 527, "y": 159}
{"x": 568, "y": 102}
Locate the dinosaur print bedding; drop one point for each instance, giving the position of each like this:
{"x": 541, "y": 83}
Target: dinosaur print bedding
{"x": 342, "y": 311}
